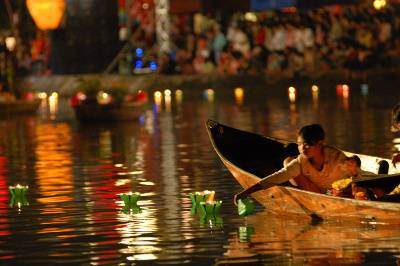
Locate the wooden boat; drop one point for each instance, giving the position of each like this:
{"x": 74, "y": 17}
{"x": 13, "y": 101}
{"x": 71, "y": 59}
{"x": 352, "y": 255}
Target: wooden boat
{"x": 111, "y": 105}
{"x": 249, "y": 157}
{"x": 8, "y": 108}
{"x": 110, "y": 112}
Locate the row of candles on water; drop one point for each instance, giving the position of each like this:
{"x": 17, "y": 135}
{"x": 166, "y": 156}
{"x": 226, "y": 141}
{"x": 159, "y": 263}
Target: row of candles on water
{"x": 342, "y": 90}
{"x": 201, "y": 201}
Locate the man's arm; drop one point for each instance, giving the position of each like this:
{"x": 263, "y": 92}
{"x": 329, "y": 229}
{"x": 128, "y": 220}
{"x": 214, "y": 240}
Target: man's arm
{"x": 247, "y": 192}
{"x": 292, "y": 170}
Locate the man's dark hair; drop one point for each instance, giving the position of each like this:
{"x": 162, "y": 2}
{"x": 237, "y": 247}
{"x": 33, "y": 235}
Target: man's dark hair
{"x": 311, "y": 134}
{"x": 357, "y": 160}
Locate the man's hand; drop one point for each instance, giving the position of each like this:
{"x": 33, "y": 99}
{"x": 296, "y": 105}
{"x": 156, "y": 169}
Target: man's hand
{"x": 238, "y": 196}
{"x": 395, "y": 159}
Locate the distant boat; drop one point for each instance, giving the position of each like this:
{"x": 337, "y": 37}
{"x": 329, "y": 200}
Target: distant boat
{"x": 121, "y": 112}
{"x": 18, "y": 107}
{"x": 249, "y": 157}
{"x": 93, "y": 110}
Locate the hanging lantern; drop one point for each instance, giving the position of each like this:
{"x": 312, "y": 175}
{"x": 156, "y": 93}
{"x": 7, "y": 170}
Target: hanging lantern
{"x": 47, "y": 14}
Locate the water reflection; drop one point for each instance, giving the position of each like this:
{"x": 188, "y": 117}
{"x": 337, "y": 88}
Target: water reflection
{"x": 54, "y": 176}
{"x": 266, "y": 237}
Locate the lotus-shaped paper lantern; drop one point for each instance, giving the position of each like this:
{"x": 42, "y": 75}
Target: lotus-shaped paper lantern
{"x": 130, "y": 201}
{"x": 202, "y": 196}
{"x": 18, "y": 196}
{"x": 245, "y": 206}
{"x": 209, "y": 207}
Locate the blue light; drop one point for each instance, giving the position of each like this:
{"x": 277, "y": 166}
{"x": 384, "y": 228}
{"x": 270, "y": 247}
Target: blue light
{"x": 153, "y": 66}
{"x": 142, "y": 119}
{"x": 138, "y": 64}
{"x": 139, "y": 52}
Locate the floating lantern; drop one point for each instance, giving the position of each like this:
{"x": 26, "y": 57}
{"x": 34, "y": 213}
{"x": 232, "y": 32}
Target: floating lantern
{"x": 158, "y": 98}
{"x": 339, "y": 90}
{"x": 345, "y": 91}
{"x": 103, "y": 98}
{"x": 239, "y": 95}
{"x": 167, "y": 100}
{"x": 11, "y": 42}
{"x": 209, "y": 207}
{"x": 18, "y": 195}
{"x": 203, "y": 196}
{"x": 379, "y": 4}
{"x": 18, "y": 191}
{"x": 130, "y": 200}
{"x": 245, "y": 207}
{"x": 315, "y": 92}
{"x": 209, "y": 95}
{"x": 47, "y": 14}
{"x": 292, "y": 94}
{"x": 178, "y": 96}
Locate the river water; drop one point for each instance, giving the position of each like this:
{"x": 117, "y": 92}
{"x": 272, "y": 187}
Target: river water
{"x": 73, "y": 214}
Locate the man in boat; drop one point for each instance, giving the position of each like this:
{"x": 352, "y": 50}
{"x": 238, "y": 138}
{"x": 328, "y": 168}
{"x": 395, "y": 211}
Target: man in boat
{"x": 314, "y": 169}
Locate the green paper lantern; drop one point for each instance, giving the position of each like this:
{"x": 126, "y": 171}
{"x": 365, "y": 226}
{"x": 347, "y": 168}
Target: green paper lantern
{"x": 130, "y": 200}
{"x": 193, "y": 210}
{"x": 245, "y": 206}
{"x": 209, "y": 208}
{"x": 199, "y": 197}
{"x": 18, "y": 196}
{"x": 18, "y": 191}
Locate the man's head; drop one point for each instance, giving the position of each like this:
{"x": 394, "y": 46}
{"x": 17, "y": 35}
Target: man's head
{"x": 310, "y": 139}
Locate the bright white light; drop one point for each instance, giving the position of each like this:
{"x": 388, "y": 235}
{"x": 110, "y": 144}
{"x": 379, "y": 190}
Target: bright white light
{"x": 314, "y": 88}
{"x": 11, "y": 43}
{"x": 103, "y": 97}
{"x": 167, "y": 92}
{"x": 42, "y": 95}
{"x": 81, "y": 96}
{"x": 250, "y": 16}
{"x": 158, "y": 97}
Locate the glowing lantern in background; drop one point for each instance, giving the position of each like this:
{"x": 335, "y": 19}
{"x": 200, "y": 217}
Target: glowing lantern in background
{"x": 47, "y": 14}
{"x": 378, "y": 4}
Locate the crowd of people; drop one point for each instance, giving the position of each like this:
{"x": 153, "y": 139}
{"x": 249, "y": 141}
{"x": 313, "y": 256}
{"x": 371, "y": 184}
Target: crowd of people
{"x": 275, "y": 43}
{"x": 291, "y": 42}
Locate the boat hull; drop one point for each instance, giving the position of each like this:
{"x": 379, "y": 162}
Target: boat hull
{"x": 98, "y": 113}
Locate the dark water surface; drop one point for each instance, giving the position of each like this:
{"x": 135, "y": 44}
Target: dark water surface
{"x": 75, "y": 173}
